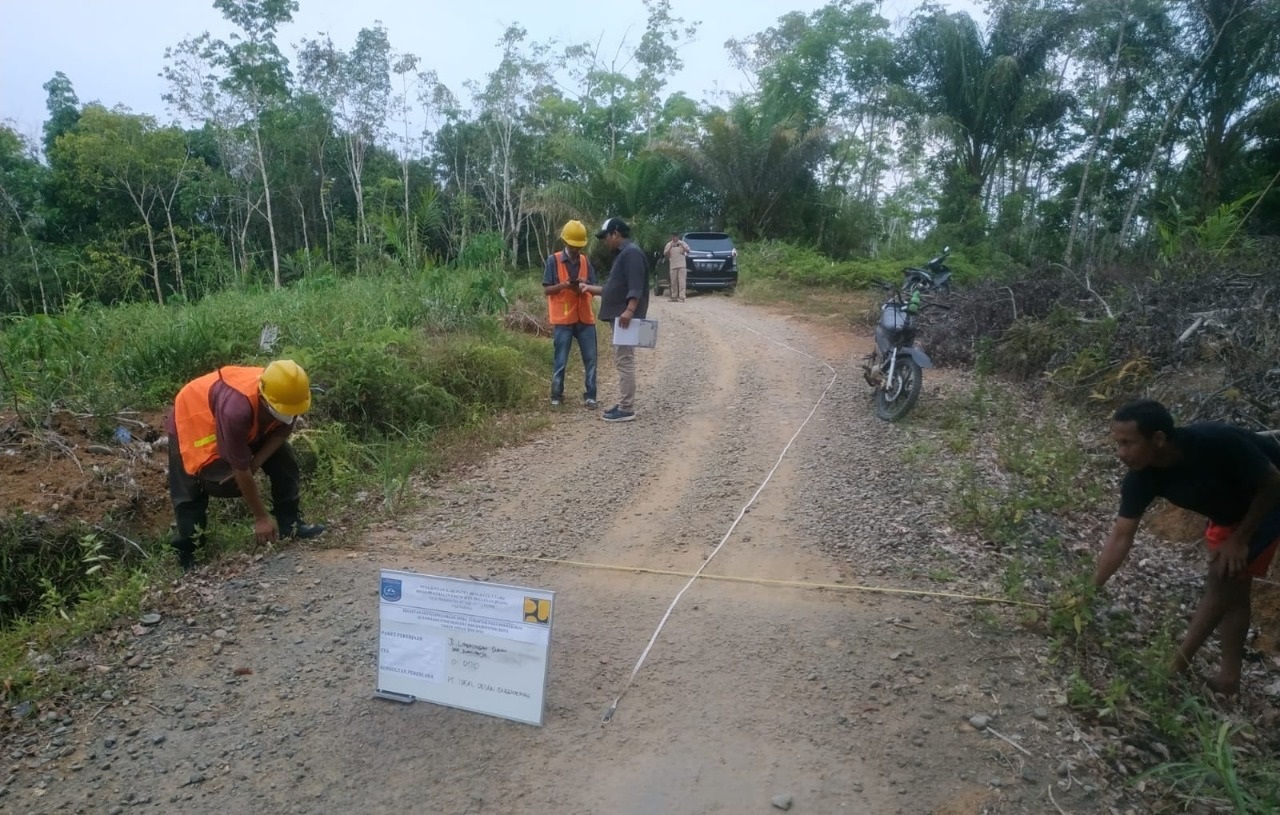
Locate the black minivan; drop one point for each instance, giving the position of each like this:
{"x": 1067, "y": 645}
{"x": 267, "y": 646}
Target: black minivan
{"x": 712, "y": 263}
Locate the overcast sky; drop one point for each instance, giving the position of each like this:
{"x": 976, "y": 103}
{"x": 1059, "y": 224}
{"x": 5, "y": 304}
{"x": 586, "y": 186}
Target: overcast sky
{"x": 113, "y": 50}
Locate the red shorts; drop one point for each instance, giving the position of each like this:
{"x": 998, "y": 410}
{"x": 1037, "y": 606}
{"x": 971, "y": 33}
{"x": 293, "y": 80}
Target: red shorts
{"x": 1215, "y": 535}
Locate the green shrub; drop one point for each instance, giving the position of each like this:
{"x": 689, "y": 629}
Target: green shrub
{"x": 49, "y": 566}
{"x": 164, "y": 353}
{"x": 379, "y": 384}
{"x": 479, "y": 374}
{"x": 804, "y": 266}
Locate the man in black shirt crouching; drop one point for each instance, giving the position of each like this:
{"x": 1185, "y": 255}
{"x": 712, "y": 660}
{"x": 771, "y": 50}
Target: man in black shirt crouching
{"x": 1226, "y": 473}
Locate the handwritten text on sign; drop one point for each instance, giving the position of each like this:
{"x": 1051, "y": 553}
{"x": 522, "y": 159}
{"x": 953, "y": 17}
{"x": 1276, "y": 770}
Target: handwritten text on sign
{"x": 464, "y": 643}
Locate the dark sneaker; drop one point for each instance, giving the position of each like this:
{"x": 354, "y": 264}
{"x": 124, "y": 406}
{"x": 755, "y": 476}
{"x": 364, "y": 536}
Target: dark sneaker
{"x": 302, "y": 531}
{"x": 555, "y": 401}
{"x": 589, "y": 404}
{"x": 187, "y": 560}
{"x": 617, "y": 414}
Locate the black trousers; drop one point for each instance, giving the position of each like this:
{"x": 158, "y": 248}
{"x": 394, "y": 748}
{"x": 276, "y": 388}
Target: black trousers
{"x": 190, "y": 494}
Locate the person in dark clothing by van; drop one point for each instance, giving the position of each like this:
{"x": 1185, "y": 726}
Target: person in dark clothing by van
{"x": 624, "y": 296}
{"x": 1224, "y": 472}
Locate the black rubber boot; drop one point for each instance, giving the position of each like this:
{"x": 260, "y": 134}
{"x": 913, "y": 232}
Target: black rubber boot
{"x": 186, "y": 549}
{"x": 302, "y": 531}
{"x": 292, "y": 526}
{"x": 191, "y": 522}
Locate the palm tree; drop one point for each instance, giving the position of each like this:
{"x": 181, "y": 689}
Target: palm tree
{"x": 983, "y": 95}
{"x": 1238, "y": 91}
{"x": 754, "y": 165}
{"x": 648, "y": 189}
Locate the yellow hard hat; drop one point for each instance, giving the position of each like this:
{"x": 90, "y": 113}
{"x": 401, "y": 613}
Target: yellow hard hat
{"x": 574, "y": 234}
{"x": 286, "y": 387}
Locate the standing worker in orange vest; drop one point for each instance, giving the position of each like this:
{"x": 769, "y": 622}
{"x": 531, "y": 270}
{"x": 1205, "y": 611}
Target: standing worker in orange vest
{"x": 224, "y": 427}
{"x": 569, "y": 282}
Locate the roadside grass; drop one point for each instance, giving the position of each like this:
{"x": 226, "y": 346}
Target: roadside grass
{"x": 415, "y": 374}
{"x": 835, "y": 307}
{"x": 1219, "y": 774}
{"x": 801, "y": 267}
{"x": 1019, "y": 475}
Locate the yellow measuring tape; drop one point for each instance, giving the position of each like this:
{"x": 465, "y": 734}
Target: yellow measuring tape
{"x": 767, "y": 581}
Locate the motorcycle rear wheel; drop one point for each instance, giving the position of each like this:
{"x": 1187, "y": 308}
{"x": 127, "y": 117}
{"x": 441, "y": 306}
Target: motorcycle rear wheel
{"x": 899, "y": 395}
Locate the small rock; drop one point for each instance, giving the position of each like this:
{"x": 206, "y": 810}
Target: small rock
{"x": 782, "y": 802}
{"x": 1064, "y": 769}
{"x": 979, "y": 722}
{"x": 1040, "y": 714}
{"x": 135, "y": 661}
{"x": 149, "y": 619}
{"x": 158, "y": 738}
{"x": 23, "y": 709}
{"x": 107, "y": 696}
{"x": 196, "y": 778}
{"x": 220, "y": 633}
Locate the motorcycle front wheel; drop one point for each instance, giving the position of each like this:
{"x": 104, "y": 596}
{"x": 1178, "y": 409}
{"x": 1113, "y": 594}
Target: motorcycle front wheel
{"x": 899, "y": 394}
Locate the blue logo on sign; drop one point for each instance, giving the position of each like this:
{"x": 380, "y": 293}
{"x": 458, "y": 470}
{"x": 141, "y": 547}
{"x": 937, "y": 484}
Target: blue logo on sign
{"x": 390, "y": 589}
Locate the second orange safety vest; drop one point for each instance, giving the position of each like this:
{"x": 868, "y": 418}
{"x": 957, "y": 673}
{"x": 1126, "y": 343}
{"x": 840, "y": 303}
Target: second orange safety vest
{"x": 193, "y": 414}
{"x": 568, "y": 307}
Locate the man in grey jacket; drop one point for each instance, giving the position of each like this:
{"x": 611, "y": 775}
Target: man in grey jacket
{"x": 624, "y": 296}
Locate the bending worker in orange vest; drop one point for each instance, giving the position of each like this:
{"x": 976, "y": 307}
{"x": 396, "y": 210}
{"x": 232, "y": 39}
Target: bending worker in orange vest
{"x": 225, "y": 426}
{"x": 569, "y": 282}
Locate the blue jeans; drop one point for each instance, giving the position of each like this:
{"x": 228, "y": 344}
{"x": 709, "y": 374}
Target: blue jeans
{"x": 562, "y": 338}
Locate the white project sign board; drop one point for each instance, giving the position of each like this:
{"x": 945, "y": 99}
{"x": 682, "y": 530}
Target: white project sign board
{"x": 464, "y": 643}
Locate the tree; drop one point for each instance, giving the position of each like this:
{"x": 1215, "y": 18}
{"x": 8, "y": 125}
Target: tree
{"x": 63, "y": 106}
{"x": 121, "y": 152}
{"x": 357, "y": 86}
{"x": 754, "y": 164}
{"x": 21, "y": 180}
{"x": 254, "y": 77}
{"x": 1238, "y": 89}
{"x": 504, "y": 102}
{"x": 985, "y": 94}
{"x": 834, "y": 70}
{"x": 658, "y": 57}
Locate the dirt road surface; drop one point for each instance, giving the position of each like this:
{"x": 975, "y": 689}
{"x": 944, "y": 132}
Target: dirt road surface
{"x": 253, "y": 693}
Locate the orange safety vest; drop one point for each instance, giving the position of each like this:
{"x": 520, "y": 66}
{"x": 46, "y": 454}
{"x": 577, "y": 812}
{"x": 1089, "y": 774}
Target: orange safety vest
{"x": 193, "y": 414}
{"x": 568, "y": 307}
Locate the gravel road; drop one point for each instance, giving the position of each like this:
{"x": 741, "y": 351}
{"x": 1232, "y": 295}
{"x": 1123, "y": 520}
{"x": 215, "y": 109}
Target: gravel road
{"x": 252, "y": 693}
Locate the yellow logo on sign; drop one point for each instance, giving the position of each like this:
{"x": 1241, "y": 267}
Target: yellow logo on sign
{"x": 537, "y": 611}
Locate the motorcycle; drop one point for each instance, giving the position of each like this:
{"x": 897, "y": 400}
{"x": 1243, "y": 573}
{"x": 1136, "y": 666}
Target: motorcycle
{"x": 894, "y": 369}
{"x": 934, "y": 277}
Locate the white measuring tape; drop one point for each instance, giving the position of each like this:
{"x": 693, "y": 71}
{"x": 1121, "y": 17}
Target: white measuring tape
{"x": 608, "y": 714}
